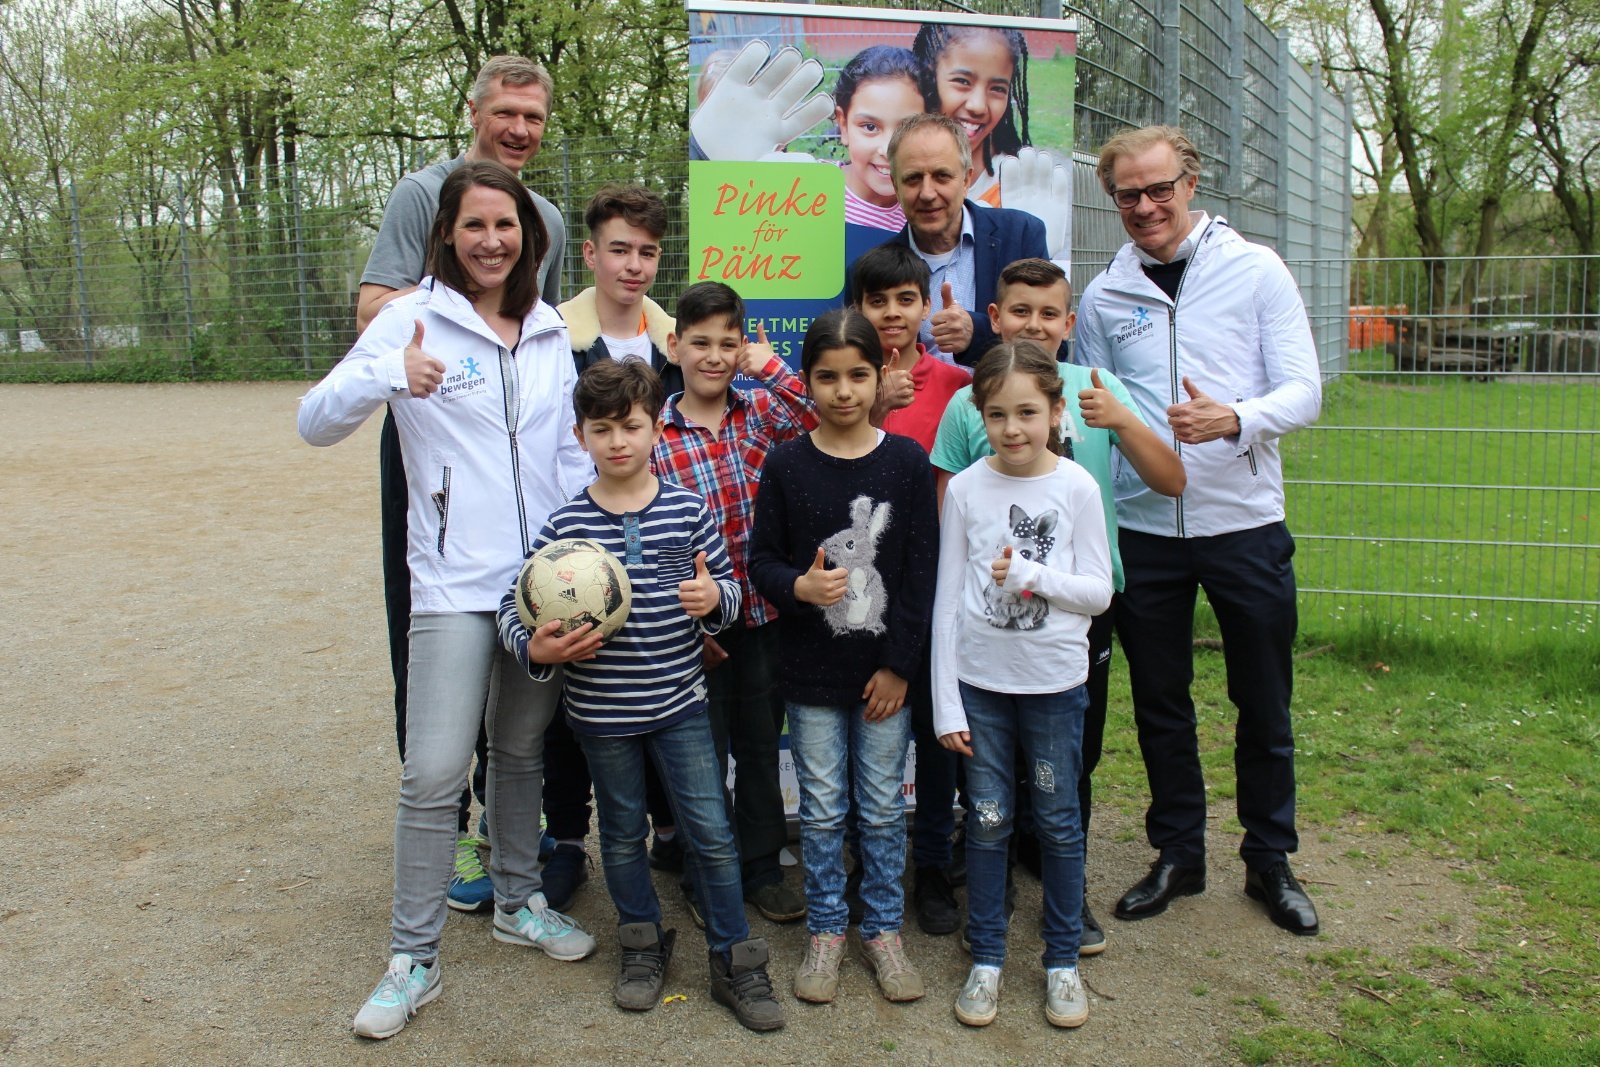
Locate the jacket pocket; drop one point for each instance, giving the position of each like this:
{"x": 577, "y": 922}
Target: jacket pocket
{"x": 441, "y": 503}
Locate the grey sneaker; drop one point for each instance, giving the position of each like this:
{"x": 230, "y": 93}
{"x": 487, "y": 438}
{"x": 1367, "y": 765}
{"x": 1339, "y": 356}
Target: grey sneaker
{"x": 896, "y": 977}
{"x": 741, "y": 982}
{"x": 645, "y": 955}
{"x": 543, "y": 928}
{"x": 979, "y": 1001}
{"x": 1065, "y": 1002}
{"x": 817, "y": 980}
{"x": 405, "y": 987}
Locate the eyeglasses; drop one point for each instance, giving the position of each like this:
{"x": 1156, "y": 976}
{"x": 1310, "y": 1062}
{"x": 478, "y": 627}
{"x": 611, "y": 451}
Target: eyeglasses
{"x": 1159, "y": 193}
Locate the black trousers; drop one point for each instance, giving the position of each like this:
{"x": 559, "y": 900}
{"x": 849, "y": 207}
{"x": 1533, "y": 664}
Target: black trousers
{"x": 397, "y": 601}
{"x": 1248, "y": 577}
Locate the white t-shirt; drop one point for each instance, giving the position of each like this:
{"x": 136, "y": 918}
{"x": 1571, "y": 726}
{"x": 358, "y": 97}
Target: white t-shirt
{"x": 621, "y": 349}
{"x": 995, "y": 638}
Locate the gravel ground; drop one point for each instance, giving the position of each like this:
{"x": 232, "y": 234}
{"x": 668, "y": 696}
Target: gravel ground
{"x": 197, "y": 790}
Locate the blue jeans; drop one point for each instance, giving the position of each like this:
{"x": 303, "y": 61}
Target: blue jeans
{"x": 1049, "y": 728}
{"x": 458, "y": 670}
{"x": 686, "y": 758}
{"x": 835, "y": 750}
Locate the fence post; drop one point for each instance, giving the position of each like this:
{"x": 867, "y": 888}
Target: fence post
{"x": 568, "y": 270}
{"x": 300, "y": 268}
{"x": 83, "y": 288}
{"x": 1286, "y": 168}
{"x": 1171, "y": 60}
{"x": 188, "y": 282}
{"x": 1237, "y": 13}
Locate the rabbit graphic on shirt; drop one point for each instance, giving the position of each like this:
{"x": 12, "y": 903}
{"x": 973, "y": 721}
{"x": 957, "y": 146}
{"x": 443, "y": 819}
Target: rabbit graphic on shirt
{"x": 1030, "y": 539}
{"x": 866, "y": 598}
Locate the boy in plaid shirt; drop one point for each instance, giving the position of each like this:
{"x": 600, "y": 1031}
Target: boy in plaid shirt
{"x": 715, "y": 442}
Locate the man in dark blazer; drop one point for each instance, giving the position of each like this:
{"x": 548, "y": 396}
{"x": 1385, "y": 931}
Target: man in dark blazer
{"x": 964, "y": 244}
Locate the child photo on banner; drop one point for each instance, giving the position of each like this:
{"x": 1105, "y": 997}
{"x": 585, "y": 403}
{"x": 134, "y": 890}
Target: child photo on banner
{"x": 791, "y": 111}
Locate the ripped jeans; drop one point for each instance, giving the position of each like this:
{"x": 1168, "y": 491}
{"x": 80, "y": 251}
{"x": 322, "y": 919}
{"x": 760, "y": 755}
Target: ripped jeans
{"x": 1049, "y": 727}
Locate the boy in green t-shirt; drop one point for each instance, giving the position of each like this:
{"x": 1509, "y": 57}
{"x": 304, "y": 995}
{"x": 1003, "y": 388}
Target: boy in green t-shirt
{"x": 1033, "y": 302}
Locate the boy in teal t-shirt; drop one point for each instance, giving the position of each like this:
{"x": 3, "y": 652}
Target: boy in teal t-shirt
{"x": 1033, "y": 303}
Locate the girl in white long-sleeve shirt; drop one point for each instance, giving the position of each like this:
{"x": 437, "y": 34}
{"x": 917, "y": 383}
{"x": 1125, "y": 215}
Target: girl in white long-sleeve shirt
{"x": 1023, "y": 566}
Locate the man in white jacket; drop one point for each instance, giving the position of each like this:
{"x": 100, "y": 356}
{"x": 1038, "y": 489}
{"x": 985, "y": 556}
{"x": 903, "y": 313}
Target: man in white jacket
{"x": 1209, "y": 334}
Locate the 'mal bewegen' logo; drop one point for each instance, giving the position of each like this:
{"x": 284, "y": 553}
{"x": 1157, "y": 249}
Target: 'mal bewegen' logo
{"x": 470, "y": 379}
{"x": 1137, "y": 326}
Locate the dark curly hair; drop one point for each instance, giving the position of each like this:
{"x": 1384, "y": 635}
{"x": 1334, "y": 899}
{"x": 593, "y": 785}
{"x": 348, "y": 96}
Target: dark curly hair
{"x": 1007, "y": 139}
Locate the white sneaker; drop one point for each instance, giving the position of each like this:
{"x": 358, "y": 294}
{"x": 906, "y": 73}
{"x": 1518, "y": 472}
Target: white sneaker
{"x": 545, "y": 928}
{"x": 1065, "y": 1003}
{"x": 405, "y": 987}
{"x": 979, "y": 1001}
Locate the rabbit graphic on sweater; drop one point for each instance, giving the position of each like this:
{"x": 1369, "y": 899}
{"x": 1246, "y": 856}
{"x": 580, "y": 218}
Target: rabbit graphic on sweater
{"x": 866, "y": 599}
{"x": 1030, "y": 539}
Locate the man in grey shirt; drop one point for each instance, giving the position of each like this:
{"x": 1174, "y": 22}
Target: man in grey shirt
{"x": 509, "y": 106}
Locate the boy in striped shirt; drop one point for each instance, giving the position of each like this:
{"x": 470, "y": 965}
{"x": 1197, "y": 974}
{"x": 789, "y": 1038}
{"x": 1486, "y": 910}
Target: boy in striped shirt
{"x": 642, "y": 693}
{"x": 714, "y": 441}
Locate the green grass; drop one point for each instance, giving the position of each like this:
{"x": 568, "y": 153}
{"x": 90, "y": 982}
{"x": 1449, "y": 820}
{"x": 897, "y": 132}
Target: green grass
{"x": 1490, "y": 762}
{"x": 1051, "y": 85}
{"x": 1428, "y": 479}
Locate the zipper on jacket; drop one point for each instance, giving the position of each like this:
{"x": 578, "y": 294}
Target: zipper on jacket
{"x": 513, "y": 408}
{"x": 441, "y": 502}
{"x": 1175, "y": 384}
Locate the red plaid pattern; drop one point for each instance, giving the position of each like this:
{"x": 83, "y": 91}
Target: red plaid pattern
{"x": 724, "y": 466}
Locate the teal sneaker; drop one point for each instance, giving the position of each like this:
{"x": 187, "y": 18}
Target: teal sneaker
{"x": 543, "y": 928}
{"x": 406, "y": 986}
{"x": 470, "y": 886}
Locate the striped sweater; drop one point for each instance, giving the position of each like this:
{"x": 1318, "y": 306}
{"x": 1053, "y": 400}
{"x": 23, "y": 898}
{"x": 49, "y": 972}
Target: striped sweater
{"x": 648, "y": 676}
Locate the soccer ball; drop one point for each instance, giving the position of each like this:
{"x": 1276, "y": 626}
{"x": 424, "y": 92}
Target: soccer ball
{"x": 576, "y": 581}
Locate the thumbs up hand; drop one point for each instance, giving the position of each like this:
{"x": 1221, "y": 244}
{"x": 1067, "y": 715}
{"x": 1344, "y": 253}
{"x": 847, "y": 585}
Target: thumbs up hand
{"x": 700, "y": 595}
{"x": 1100, "y": 407}
{"x": 1000, "y": 568}
{"x": 952, "y": 326}
{"x": 1200, "y": 418}
{"x": 821, "y": 586}
{"x": 753, "y": 357}
{"x": 424, "y": 374}
{"x": 897, "y": 389}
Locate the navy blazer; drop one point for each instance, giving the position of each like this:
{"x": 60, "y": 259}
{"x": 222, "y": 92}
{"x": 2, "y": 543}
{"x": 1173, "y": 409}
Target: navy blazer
{"x": 1001, "y": 236}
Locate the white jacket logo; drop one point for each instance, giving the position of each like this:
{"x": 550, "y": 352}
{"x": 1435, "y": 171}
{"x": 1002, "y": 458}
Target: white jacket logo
{"x": 465, "y": 382}
{"x": 1137, "y": 326}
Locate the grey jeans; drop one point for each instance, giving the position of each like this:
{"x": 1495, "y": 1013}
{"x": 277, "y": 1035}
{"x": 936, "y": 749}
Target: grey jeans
{"x": 460, "y": 674}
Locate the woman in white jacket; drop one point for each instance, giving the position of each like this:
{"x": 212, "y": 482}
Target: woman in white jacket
{"x": 479, "y": 375}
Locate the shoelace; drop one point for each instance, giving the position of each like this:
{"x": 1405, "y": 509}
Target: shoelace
{"x": 895, "y": 952}
{"x": 398, "y": 979}
{"x": 753, "y": 985}
{"x": 815, "y": 955}
{"x": 980, "y": 986}
{"x": 555, "y": 923}
{"x": 642, "y": 964}
{"x": 1069, "y": 981}
{"x": 469, "y": 868}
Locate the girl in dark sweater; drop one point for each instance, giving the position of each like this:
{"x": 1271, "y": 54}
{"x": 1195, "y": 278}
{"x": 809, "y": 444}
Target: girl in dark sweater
{"x": 845, "y": 544}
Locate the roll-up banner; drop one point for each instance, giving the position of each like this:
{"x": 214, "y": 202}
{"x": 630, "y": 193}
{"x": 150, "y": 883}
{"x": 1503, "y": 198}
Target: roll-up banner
{"x": 791, "y": 110}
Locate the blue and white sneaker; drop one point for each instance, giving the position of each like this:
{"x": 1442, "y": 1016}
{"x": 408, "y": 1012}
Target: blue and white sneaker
{"x": 406, "y": 986}
{"x": 545, "y": 928}
{"x": 470, "y": 886}
{"x": 547, "y": 846}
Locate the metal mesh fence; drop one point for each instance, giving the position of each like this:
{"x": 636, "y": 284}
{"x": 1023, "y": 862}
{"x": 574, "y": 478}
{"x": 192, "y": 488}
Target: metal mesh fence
{"x": 1450, "y": 484}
